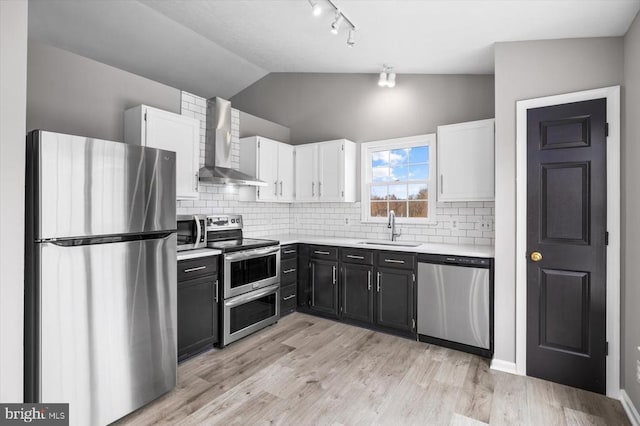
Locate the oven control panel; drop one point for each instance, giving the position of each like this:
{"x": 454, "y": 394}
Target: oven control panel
{"x": 222, "y": 222}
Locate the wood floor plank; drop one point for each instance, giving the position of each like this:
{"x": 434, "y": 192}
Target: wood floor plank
{"x": 312, "y": 371}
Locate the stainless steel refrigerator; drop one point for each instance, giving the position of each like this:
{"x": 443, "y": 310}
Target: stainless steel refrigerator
{"x": 100, "y": 299}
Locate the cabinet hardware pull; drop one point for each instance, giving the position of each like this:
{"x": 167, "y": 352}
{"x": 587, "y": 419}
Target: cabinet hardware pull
{"x": 442, "y": 183}
{"x": 394, "y": 261}
{"x": 353, "y": 256}
{"x": 275, "y": 184}
{"x": 319, "y": 189}
{"x": 321, "y": 252}
{"x": 199, "y": 268}
{"x": 334, "y": 275}
{"x": 368, "y": 280}
{"x": 289, "y": 297}
{"x": 288, "y": 271}
{"x": 281, "y": 188}
{"x": 289, "y": 251}
{"x": 313, "y": 189}
{"x": 378, "y": 285}
{"x": 313, "y": 285}
{"x": 196, "y": 185}
{"x": 216, "y": 291}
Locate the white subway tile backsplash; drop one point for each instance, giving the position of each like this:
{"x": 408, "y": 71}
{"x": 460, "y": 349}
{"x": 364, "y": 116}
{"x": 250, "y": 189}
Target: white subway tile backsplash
{"x": 326, "y": 219}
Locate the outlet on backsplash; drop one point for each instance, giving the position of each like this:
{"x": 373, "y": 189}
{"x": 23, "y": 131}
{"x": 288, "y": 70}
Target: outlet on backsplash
{"x": 346, "y": 221}
{"x": 486, "y": 225}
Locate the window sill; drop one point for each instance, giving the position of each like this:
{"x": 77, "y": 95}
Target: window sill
{"x": 400, "y": 222}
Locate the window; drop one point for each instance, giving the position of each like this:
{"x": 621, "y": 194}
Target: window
{"x": 396, "y": 175}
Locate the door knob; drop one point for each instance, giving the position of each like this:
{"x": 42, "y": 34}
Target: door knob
{"x": 536, "y": 256}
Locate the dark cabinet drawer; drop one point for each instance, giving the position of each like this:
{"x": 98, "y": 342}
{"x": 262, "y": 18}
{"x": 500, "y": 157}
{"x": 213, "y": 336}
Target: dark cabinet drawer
{"x": 288, "y": 271}
{"x": 394, "y": 259}
{"x": 289, "y": 251}
{"x": 199, "y": 267}
{"x": 324, "y": 252}
{"x": 354, "y": 255}
{"x": 288, "y": 299}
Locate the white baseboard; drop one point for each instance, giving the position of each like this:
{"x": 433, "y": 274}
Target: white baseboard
{"x": 504, "y": 366}
{"x": 629, "y": 408}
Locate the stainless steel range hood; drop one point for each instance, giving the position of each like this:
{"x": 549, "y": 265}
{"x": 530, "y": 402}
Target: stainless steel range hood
{"x": 217, "y": 149}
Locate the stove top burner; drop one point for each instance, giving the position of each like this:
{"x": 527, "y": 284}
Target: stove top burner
{"x": 228, "y": 246}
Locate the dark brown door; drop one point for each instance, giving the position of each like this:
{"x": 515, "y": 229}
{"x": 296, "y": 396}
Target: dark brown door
{"x": 566, "y": 225}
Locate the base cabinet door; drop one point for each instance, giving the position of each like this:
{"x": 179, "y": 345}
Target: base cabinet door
{"x": 197, "y": 314}
{"x": 395, "y": 299}
{"x": 324, "y": 286}
{"x": 356, "y": 286}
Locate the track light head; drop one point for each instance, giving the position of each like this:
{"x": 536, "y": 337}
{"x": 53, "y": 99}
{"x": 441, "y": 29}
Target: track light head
{"x": 391, "y": 79}
{"x": 382, "y": 82}
{"x": 316, "y": 9}
{"x": 351, "y": 41}
{"x": 335, "y": 26}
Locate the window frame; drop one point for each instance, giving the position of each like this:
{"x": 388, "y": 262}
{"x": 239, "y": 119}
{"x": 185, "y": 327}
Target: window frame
{"x": 366, "y": 178}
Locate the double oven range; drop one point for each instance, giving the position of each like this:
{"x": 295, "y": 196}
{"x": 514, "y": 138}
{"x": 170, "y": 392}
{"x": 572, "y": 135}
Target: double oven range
{"x": 250, "y": 278}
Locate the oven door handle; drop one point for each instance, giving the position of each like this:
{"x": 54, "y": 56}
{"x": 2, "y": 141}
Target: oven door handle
{"x": 248, "y": 297}
{"x": 251, "y": 253}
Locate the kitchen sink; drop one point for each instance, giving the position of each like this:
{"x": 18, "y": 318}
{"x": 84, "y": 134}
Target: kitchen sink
{"x": 390, "y": 243}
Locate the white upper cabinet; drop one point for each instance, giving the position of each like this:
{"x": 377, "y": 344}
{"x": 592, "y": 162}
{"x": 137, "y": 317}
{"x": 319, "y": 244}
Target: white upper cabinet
{"x": 160, "y": 129}
{"x": 271, "y": 162}
{"x": 326, "y": 171}
{"x": 466, "y": 161}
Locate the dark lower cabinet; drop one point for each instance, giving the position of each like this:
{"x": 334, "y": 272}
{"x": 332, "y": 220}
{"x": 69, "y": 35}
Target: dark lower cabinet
{"x": 395, "y": 299}
{"x": 197, "y": 315}
{"x": 356, "y": 292}
{"x": 324, "y": 286}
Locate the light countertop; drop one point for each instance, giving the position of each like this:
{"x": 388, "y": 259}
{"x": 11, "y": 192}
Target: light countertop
{"x": 193, "y": 254}
{"x": 424, "y": 248}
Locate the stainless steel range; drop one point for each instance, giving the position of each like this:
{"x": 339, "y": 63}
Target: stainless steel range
{"x": 250, "y": 276}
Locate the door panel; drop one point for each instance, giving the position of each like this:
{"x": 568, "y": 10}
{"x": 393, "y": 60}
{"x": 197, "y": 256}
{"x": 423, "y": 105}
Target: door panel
{"x": 566, "y": 224}
{"x": 306, "y": 172}
{"x": 197, "y": 314}
{"x": 268, "y": 168}
{"x": 394, "y": 307}
{"x": 285, "y": 172}
{"x": 324, "y": 287}
{"x": 331, "y": 169}
{"x": 357, "y": 292}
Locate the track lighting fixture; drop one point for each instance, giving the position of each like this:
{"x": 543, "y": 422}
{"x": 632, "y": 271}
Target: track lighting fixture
{"x": 316, "y": 9}
{"x": 387, "y": 78}
{"x": 340, "y": 18}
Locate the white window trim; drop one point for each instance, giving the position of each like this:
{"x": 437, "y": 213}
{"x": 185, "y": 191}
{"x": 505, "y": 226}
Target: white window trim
{"x": 365, "y": 176}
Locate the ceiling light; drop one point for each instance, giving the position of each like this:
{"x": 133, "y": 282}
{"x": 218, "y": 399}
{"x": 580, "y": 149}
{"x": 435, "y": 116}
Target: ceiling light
{"x": 351, "y": 41}
{"x": 316, "y": 9}
{"x": 387, "y": 78}
{"x": 335, "y": 27}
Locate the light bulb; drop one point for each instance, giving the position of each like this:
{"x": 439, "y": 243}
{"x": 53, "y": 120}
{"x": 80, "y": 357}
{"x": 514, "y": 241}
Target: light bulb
{"x": 316, "y": 9}
{"x": 383, "y": 79}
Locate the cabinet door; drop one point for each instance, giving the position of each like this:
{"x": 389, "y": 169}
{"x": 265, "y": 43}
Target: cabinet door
{"x": 306, "y": 172}
{"x": 395, "y": 299}
{"x": 330, "y": 171}
{"x": 466, "y": 161}
{"x": 285, "y": 172}
{"x": 324, "y": 287}
{"x": 197, "y": 314}
{"x": 268, "y": 169}
{"x": 356, "y": 290}
{"x": 173, "y": 132}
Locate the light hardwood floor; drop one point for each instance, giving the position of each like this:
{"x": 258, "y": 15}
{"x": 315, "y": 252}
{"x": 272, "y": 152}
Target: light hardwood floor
{"x": 307, "y": 370}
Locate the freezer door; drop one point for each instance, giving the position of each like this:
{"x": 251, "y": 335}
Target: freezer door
{"x": 107, "y": 328}
{"x": 453, "y": 304}
{"x": 88, "y": 187}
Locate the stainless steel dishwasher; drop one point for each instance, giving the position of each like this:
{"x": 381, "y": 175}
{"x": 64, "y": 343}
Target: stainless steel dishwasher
{"x": 455, "y": 302}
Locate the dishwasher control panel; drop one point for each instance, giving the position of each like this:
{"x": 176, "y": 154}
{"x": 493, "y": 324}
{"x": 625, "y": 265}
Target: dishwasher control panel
{"x": 455, "y": 260}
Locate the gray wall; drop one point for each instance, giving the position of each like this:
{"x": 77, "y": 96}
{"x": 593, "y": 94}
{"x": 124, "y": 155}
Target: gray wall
{"x": 13, "y": 96}
{"x": 320, "y": 107}
{"x": 527, "y": 70}
{"x": 631, "y": 213}
{"x": 69, "y": 93}
{"x": 250, "y": 125}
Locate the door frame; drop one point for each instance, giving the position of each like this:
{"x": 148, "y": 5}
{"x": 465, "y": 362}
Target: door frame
{"x": 612, "y": 94}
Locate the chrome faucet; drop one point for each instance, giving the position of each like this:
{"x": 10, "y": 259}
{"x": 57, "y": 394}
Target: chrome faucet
{"x": 392, "y": 225}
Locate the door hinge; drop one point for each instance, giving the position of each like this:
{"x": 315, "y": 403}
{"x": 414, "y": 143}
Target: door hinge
{"x": 606, "y": 238}
{"x": 342, "y": 147}
{"x": 258, "y": 144}
{"x": 606, "y": 129}
{"x": 145, "y": 116}
{"x": 606, "y": 348}
{"x": 258, "y": 189}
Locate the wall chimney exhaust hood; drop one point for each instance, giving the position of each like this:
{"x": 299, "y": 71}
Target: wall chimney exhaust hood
{"x": 217, "y": 148}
